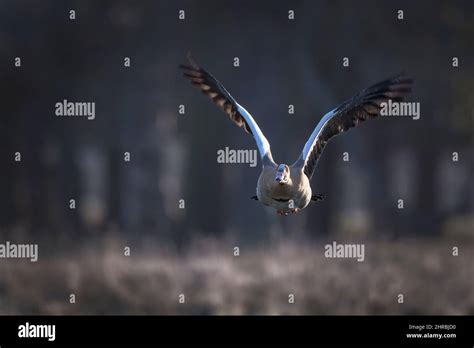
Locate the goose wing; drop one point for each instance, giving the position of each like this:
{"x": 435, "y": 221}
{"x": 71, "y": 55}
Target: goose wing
{"x": 211, "y": 87}
{"x": 365, "y": 105}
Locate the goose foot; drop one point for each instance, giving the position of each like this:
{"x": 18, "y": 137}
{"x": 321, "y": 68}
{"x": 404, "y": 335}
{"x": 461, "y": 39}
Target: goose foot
{"x": 286, "y": 213}
{"x": 316, "y": 198}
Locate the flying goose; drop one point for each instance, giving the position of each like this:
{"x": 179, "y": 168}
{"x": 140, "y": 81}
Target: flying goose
{"x": 287, "y": 187}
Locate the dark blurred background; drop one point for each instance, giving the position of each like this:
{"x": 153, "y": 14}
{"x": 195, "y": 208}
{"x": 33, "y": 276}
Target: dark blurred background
{"x": 135, "y": 204}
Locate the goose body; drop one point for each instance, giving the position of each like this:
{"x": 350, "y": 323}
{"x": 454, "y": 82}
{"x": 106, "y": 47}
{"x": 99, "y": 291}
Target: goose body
{"x": 285, "y": 187}
{"x": 287, "y": 198}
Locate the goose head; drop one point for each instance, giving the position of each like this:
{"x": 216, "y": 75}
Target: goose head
{"x": 282, "y": 175}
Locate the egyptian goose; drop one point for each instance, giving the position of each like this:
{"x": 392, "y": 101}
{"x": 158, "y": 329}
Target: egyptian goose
{"x": 286, "y": 187}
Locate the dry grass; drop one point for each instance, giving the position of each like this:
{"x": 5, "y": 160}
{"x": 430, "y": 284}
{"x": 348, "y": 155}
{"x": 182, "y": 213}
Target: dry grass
{"x": 256, "y": 282}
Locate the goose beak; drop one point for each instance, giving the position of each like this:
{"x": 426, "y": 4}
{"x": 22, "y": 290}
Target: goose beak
{"x": 279, "y": 178}
{"x": 282, "y": 174}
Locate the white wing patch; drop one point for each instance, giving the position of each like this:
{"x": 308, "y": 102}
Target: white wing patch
{"x": 312, "y": 138}
{"x": 262, "y": 142}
